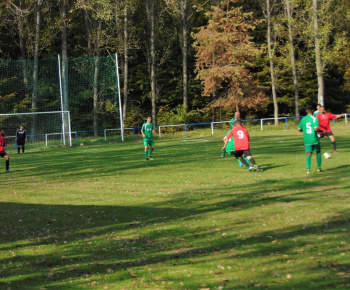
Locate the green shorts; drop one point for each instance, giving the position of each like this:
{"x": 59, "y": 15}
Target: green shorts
{"x": 311, "y": 148}
{"x": 147, "y": 142}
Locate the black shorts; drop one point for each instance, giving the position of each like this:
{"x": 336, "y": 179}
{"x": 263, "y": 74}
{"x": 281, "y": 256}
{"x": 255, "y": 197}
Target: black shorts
{"x": 3, "y": 155}
{"x": 241, "y": 152}
{"x": 321, "y": 134}
{"x": 21, "y": 142}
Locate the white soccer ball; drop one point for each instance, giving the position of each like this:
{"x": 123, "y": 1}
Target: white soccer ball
{"x": 81, "y": 144}
{"x": 327, "y": 155}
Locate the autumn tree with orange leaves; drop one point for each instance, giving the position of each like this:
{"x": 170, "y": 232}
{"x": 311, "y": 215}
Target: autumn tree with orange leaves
{"x": 225, "y": 55}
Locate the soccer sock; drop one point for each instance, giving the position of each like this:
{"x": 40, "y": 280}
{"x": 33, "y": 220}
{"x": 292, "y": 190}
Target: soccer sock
{"x": 146, "y": 154}
{"x": 150, "y": 152}
{"x": 308, "y": 162}
{"x": 252, "y": 161}
{"x": 239, "y": 161}
{"x": 244, "y": 162}
{"x": 23, "y": 149}
{"x": 319, "y": 160}
{"x": 224, "y": 152}
{"x": 7, "y": 164}
{"x": 18, "y": 149}
{"x": 333, "y": 145}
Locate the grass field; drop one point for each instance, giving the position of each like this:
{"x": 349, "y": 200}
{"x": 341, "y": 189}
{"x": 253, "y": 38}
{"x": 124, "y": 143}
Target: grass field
{"x": 101, "y": 217}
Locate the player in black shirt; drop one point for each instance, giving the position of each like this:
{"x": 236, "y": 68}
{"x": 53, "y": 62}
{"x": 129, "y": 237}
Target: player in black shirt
{"x": 21, "y": 138}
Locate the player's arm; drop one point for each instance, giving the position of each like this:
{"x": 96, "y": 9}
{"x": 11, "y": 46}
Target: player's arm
{"x": 317, "y": 126}
{"x": 340, "y": 116}
{"x": 226, "y": 138}
{"x": 142, "y": 132}
{"x": 300, "y": 129}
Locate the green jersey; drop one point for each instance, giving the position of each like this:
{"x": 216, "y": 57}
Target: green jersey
{"x": 316, "y": 113}
{"x": 232, "y": 122}
{"x": 147, "y": 129}
{"x": 308, "y": 125}
{"x": 230, "y": 144}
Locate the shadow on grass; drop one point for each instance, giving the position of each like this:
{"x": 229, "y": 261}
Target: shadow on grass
{"x": 48, "y": 245}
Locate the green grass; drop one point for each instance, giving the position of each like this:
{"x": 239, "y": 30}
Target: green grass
{"x": 102, "y": 217}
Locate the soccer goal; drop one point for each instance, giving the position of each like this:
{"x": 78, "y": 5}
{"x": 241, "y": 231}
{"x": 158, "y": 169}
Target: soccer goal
{"x": 43, "y": 128}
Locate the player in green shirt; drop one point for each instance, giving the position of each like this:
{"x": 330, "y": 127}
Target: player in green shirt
{"x": 317, "y": 111}
{"x": 230, "y": 149}
{"x": 233, "y": 120}
{"x": 147, "y": 131}
{"x": 309, "y": 125}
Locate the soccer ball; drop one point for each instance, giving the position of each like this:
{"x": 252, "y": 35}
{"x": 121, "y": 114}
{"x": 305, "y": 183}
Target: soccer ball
{"x": 327, "y": 155}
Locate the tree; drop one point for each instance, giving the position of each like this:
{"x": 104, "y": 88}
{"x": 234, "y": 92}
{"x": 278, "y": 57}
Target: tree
{"x": 267, "y": 11}
{"x": 292, "y": 57}
{"x": 152, "y": 66}
{"x": 225, "y": 53}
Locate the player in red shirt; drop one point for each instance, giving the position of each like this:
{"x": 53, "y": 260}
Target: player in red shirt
{"x": 3, "y": 154}
{"x": 241, "y": 139}
{"x": 324, "y": 128}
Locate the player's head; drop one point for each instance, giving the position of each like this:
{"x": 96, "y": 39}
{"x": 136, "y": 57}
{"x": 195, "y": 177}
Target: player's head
{"x": 21, "y": 127}
{"x": 322, "y": 109}
{"x": 318, "y": 106}
{"x": 238, "y": 122}
{"x": 2, "y": 131}
{"x": 309, "y": 110}
{"x": 149, "y": 119}
{"x": 237, "y": 115}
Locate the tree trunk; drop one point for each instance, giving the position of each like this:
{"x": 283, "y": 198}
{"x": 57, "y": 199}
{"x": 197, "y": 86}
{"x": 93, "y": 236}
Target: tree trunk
{"x": 65, "y": 67}
{"x": 319, "y": 65}
{"x": 96, "y": 76}
{"x": 151, "y": 19}
{"x": 36, "y": 62}
{"x": 64, "y": 56}
{"x": 184, "y": 49}
{"x": 292, "y": 59}
{"x": 272, "y": 70}
{"x": 126, "y": 58}
{"x": 21, "y": 42}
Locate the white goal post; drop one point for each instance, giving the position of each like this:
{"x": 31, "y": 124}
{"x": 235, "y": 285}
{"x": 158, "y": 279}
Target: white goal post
{"x": 39, "y": 125}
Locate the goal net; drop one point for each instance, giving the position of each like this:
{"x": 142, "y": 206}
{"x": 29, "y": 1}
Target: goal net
{"x": 43, "y": 128}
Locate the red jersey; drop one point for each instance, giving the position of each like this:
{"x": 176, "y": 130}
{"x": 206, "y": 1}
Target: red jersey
{"x": 240, "y": 137}
{"x": 323, "y": 121}
{"x": 2, "y": 144}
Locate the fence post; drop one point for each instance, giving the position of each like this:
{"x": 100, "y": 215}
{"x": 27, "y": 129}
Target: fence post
{"x": 261, "y": 124}
{"x": 46, "y": 140}
{"x": 160, "y": 135}
{"x": 286, "y": 123}
{"x": 76, "y": 137}
{"x": 346, "y": 118}
{"x": 185, "y": 130}
{"x": 212, "y": 128}
{"x": 105, "y": 134}
{"x": 133, "y": 132}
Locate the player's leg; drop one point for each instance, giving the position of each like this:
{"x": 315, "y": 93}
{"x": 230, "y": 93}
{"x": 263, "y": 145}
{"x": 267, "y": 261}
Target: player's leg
{"x": 7, "y": 161}
{"x": 235, "y": 155}
{"x": 23, "y": 148}
{"x": 308, "y": 151}
{"x": 240, "y": 156}
{"x": 223, "y": 153}
{"x": 332, "y": 139}
{"x": 18, "y": 149}
{"x": 251, "y": 159}
{"x": 151, "y": 144}
{"x": 145, "y": 144}
{"x": 317, "y": 148}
